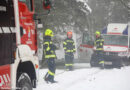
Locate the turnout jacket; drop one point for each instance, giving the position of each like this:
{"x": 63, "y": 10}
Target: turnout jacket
{"x": 69, "y": 45}
{"x": 99, "y": 42}
{"x": 49, "y": 48}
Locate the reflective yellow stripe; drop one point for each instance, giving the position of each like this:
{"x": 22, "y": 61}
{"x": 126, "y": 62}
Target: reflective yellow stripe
{"x": 48, "y": 48}
{"x": 65, "y": 48}
{"x": 50, "y": 56}
{"x": 50, "y": 42}
{"x": 69, "y": 41}
{"x": 101, "y": 44}
{"x": 95, "y": 43}
{"x": 99, "y": 49}
{"x": 74, "y": 49}
{"x": 68, "y": 64}
{"x": 101, "y": 62}
{"x": 52, "y": 51}
{"x": 102, "y": 40}
{"x": 97, "y": 40}
{"x": 46, "y": 43}
{"x": 69, "y": 51}
{"x": 64, "y": 43}
{"x": 51, "y": 73}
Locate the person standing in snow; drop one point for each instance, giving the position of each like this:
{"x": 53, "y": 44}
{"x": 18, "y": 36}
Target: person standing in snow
{"x": 49, "y": 51}
{"x": 99, "y": 42}
{"x": 69, "y": 49}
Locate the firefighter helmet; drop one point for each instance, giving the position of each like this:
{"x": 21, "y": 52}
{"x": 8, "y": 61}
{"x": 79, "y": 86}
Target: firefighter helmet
{"x": 69, "y": 34}
{"x": 97, "y": 33}
{"x": 49, "y": 32}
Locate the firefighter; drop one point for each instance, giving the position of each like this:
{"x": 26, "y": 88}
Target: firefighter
{"x": 69, "y": 49}
{"x": 49, "y": 51}
{"x": 99, "y": 42}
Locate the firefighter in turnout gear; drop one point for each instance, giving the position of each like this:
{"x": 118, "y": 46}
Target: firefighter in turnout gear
{"x": 69, "y": 49}
{"x": 99, "y": 42}
{"x": 49, "y": 51}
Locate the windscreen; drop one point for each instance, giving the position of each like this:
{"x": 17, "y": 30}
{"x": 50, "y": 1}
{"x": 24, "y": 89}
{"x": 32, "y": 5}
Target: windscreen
{"x": 115, "y": 40}
{"x": 6, "y": 13}
{"x": 86, "y": 38}
{"x": 28, "y": 3}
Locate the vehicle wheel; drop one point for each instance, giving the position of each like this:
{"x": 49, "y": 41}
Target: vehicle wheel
{"x": 24, "y": 83}
{"x": 91, "y": 63}
{"x": 102, "y": 66}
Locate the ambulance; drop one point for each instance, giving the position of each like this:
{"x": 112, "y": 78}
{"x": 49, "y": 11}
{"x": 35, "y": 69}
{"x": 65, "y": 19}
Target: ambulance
{"x": 116, "y": 44}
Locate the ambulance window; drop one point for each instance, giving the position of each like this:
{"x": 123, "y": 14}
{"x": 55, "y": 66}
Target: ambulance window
{"x": 28, "y": 3}
{"x": 86, "y": 38}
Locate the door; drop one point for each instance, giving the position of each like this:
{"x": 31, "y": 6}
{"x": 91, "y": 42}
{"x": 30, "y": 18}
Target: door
{"x": 7, "y": 42}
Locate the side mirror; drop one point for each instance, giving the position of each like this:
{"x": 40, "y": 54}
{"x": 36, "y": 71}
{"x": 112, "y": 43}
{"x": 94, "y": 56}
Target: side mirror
{"x": 39, "y": 23}
{"x": 46, "y": 4}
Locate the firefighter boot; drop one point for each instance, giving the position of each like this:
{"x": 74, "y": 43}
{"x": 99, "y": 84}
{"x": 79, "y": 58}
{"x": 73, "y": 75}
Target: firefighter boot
{"x": 46, "y": 77}
{"x": 67, "y": 68}
{"x": 70, "y": 68}
{"x": 52, "y": 80}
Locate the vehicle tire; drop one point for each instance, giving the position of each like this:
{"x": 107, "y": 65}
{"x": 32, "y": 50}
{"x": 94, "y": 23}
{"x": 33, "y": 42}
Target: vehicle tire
{"x": 91, "y": 63}
{"x": 93, "y": 60}
{"x": 24, "y": 83}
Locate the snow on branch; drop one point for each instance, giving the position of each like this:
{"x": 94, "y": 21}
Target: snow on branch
{"x": 85, "y": 5}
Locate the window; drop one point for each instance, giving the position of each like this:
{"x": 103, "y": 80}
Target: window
{"x": 6, "y": 13}
{"x": 115, "y": 40}
{"x": 87, "y": 39}
{"x": 7, "y": 48}
{"x": 28, "y": 3}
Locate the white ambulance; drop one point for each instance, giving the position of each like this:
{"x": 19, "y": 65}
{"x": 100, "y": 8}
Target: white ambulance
{"x": 116, "y": 44}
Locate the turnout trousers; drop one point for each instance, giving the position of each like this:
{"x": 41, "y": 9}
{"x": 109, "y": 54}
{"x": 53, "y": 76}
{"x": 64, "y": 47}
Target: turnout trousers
{"x": 69, "y": 61}
{"x": 51, "y": 70}
{"x": 100, "y": 58}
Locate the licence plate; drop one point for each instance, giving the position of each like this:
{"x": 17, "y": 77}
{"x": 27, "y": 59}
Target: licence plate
{"x": 108, "y": 63}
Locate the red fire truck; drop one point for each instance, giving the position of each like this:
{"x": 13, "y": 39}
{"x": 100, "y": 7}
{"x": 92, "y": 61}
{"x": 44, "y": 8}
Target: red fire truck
{"x": 18, "y": 45}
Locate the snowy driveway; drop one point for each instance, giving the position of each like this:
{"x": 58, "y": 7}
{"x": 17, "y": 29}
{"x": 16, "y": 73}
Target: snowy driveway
{"x": 88, "y": 79}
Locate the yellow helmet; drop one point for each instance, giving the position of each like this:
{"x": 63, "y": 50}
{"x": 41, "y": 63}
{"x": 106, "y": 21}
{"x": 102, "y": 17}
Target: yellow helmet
{"x": 49, "y": 32}
{"x": 97, "y": 33}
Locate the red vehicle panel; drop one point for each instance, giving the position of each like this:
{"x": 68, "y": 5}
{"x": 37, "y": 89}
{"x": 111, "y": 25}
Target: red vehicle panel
{"x": 27, "y": 24}
{"x": 5, "y": 77}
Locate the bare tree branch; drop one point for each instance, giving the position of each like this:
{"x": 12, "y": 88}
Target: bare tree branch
{"x": 123, "y": 2}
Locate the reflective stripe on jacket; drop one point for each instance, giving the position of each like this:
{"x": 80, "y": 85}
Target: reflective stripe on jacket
{"x": 69, "y": 45}
{"x": 99, "y": 42}
{"x": 49, "y": 48}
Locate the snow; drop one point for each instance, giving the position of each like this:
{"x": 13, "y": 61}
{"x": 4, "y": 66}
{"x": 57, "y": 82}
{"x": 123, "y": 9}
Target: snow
{"x": 88, "y": 79}
{"x": 85, "y": 5}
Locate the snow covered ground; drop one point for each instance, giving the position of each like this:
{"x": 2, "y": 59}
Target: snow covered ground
{"x": 88, "y": 79}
